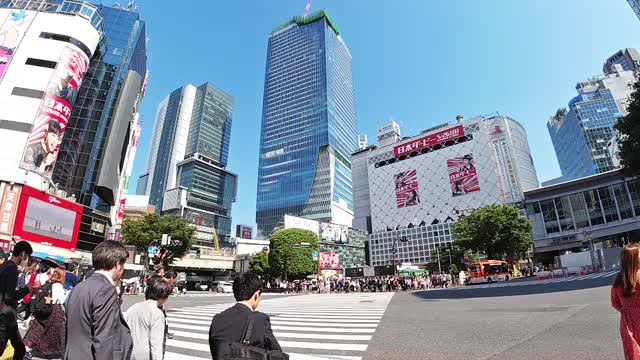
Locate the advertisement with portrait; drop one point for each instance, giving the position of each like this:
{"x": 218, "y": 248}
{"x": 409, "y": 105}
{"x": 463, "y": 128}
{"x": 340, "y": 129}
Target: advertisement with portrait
{"x": 8, "y": 207}
{"x": 334, "y": 233}
{"x": 407, "y": 189}
{"x": 463, "y": 175}
{"x": 53, "y": 115}
{"x": 247, "y": 232}
{"x": 11, "y": 34}
{"x": 47, "y": 219}
{"x": 329, "y": 261}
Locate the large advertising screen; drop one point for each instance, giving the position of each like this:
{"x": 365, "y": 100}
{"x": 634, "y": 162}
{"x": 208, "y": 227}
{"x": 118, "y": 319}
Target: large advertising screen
{"x": 428, "y": 141}
{"x": 334, "y": 233}
{"x": 463, "y": 175}
{"x": 407, "y": 189}
{"x": 47, "y": 219}
{"x": 11, "y": 34}
{"x": 53, "y": 115}
{"x": 329, "y": 261}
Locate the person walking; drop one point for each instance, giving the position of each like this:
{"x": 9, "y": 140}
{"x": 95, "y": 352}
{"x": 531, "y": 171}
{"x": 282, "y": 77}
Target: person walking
{"x": 626, "y": 300}
{"x": 228, "y": 326}
{"x": 9, "y": 297}
{"x": 96, "y": 329}
{"x": 45, "y": 336}
{"x": 147, "y": 322}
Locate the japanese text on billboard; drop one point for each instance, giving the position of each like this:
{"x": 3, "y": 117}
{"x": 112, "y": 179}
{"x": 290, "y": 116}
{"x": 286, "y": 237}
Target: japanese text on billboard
{"x": 463, "y": 175}
{"x": 429, "y": 141}
{"x": 8, "y": 208}
{"x": 407, "y": 189}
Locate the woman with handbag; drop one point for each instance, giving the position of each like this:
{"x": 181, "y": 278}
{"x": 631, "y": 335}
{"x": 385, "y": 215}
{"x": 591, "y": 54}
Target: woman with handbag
{"x": 45, "y": 336}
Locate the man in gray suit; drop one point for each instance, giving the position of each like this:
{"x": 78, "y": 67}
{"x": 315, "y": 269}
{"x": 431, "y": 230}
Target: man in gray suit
{"x": 96, "y": 329}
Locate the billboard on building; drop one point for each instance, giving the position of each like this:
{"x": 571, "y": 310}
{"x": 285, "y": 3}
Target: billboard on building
{"x": 329, "y": 261}
{"x": 463, "y": 175}
{"x": 334, "y": 233}
{"x": 8, "y": 207}
{"x": 53, "y": 115}
{"x": 428, "y": 141}
{"x": 294, "y": 222}
{"x": 244, "y": 232}
{"x": 11, "y": 34}
{"x": 407, "y": 189}
{"x": 47, "y": 219}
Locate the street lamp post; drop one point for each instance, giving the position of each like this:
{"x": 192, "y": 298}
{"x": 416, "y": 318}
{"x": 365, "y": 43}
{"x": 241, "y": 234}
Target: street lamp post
{"x": 394, "y": 251}
{"x": 438, "y": 253}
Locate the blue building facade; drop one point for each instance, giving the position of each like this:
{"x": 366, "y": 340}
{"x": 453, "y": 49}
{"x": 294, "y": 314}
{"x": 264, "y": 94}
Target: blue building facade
{"x": 583, "y": 135}
{"x": 308, "y": 125}
{"x": 92, "y": 152}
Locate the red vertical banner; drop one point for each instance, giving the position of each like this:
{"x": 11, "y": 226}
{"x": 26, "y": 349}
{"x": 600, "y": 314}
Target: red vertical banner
{"x": 463, "y": 175}
{"x": 121, "y": 211}
{"x": 53, "y": 115}
{"x": 8, "y": 206}
{"x": 407, "y": 189}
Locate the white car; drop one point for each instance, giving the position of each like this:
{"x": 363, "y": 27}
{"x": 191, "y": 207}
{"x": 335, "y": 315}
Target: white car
{"x": 222, "y": 286}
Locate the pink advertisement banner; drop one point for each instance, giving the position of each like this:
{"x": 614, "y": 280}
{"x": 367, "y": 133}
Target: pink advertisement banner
{"x": 407, "y": 189}
{"x": 463, "y": 175}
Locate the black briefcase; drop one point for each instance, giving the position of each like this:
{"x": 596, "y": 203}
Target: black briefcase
{"x": 243, "y": 351}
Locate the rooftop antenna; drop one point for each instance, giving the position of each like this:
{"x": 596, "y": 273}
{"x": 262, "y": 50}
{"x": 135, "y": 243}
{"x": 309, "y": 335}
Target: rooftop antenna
{"x": 307, "y": 8}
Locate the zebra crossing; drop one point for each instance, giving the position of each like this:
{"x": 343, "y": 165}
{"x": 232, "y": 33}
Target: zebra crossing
{"x": 540, "y": 282}
{"x": 308, "y": 327}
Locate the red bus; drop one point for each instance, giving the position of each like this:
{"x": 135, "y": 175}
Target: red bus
{"x": 489, "y": 271}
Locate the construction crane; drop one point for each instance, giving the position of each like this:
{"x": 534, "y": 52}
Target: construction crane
{"x": 307, "y": 8}
{"x": 216, "y": 242}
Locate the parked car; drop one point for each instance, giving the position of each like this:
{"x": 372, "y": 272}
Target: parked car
{"x": 222, "y": 286}
{"x": 203, "y": 286}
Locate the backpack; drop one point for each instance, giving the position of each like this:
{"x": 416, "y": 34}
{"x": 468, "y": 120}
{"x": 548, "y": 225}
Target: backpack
{"x": 41, "y": 303}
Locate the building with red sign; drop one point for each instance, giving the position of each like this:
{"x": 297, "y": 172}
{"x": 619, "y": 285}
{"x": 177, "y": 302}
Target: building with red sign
{"x": 417, "y": 187}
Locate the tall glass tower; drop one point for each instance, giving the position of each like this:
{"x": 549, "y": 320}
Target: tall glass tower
{"x": 308, "y": 125}
{"x": 92, "y": 152}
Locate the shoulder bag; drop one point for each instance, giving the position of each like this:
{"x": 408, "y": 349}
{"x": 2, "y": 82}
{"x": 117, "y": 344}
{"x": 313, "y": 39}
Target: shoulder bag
{"x": 243, "y": 351}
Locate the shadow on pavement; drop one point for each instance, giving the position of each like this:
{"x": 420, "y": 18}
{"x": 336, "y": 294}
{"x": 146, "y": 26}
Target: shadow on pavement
{"x": 525, "y": 289}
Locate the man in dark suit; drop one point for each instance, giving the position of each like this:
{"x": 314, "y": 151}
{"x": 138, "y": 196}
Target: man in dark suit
{"x": 228, "y": 326}
{"x": 96, "y": 329}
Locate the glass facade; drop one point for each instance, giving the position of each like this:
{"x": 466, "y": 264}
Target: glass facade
{"x": 418, "y": 249}
{"x": 308, "y": 105}
{"x": 122, "y": 49}
{"x": 581, "y": 134}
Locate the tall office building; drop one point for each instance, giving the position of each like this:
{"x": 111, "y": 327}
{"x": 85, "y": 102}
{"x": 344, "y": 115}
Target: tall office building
{"x": 583, "y": 135}
{"x": 635, "y": 6}
{"x": 186, "y": 165}
{"x": 308, "y": 125}
{"x": 91, "y": 162}
{"x": 628, "y": 58}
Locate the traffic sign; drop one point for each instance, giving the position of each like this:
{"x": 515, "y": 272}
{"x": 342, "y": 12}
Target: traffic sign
{"x": 152, "y": 250}
{"x": 315, "y": 255}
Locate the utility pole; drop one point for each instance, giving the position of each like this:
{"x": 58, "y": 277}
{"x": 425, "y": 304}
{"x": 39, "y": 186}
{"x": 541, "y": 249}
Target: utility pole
{"x": 439, "y": 265}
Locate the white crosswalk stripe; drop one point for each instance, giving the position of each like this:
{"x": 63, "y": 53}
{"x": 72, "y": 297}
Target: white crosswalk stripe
{"x": 308, "y": 327}
{"x": 604, "y": 274}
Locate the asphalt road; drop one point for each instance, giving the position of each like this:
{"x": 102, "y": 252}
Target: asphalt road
{"x": 570, "y": 320}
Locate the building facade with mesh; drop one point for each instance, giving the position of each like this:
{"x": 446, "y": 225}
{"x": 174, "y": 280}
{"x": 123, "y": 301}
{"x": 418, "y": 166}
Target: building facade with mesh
{"x": 419, "y": 186}
{"x": 308, "y": 125}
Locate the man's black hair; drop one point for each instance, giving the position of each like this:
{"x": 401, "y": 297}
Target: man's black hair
{"x": 22, "y": 247}
{"x": 72, "y": 267}
{"x": 170, "y": 274}
{"x": 54, "y": 127}
{"x": 158, "y": 289}
{"x": 245, "y": 285}
{"x": 108, "y": 254}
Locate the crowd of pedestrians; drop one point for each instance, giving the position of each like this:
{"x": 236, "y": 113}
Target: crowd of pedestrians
{"x": 368, "y": 284}
{"x": 71, "y": 319}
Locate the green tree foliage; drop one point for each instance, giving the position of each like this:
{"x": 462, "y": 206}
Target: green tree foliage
{"x": 259, "y": 263}
{"x": 629, "y": 133}
{"x": 142, "y": 233}
{"x": 286, "y": 248}
{"x": 498, "y": 231}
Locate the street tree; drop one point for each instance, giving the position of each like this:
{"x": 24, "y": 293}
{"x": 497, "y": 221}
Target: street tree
{"x": 259, "y": 263}
{"x": 628, "y": 138}
{"x": 497, "y": 231}
{"x": 290, "y": 253}
{"x": 148, "y": 231}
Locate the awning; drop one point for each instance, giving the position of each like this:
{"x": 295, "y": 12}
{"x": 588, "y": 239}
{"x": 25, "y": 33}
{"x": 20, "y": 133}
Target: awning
{"x": 53, "y": 253}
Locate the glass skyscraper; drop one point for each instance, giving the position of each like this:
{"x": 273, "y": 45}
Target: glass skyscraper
{"x": 92, "y": 152}
{"x": 308, "y": 125}
{"x": 583, "y": 135}
{"x": 186, "y": 165}
{"x": 635, "y": 5}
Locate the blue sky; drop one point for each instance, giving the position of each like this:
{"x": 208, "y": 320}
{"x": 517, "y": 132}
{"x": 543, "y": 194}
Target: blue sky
{"x": 421, "y": 62}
